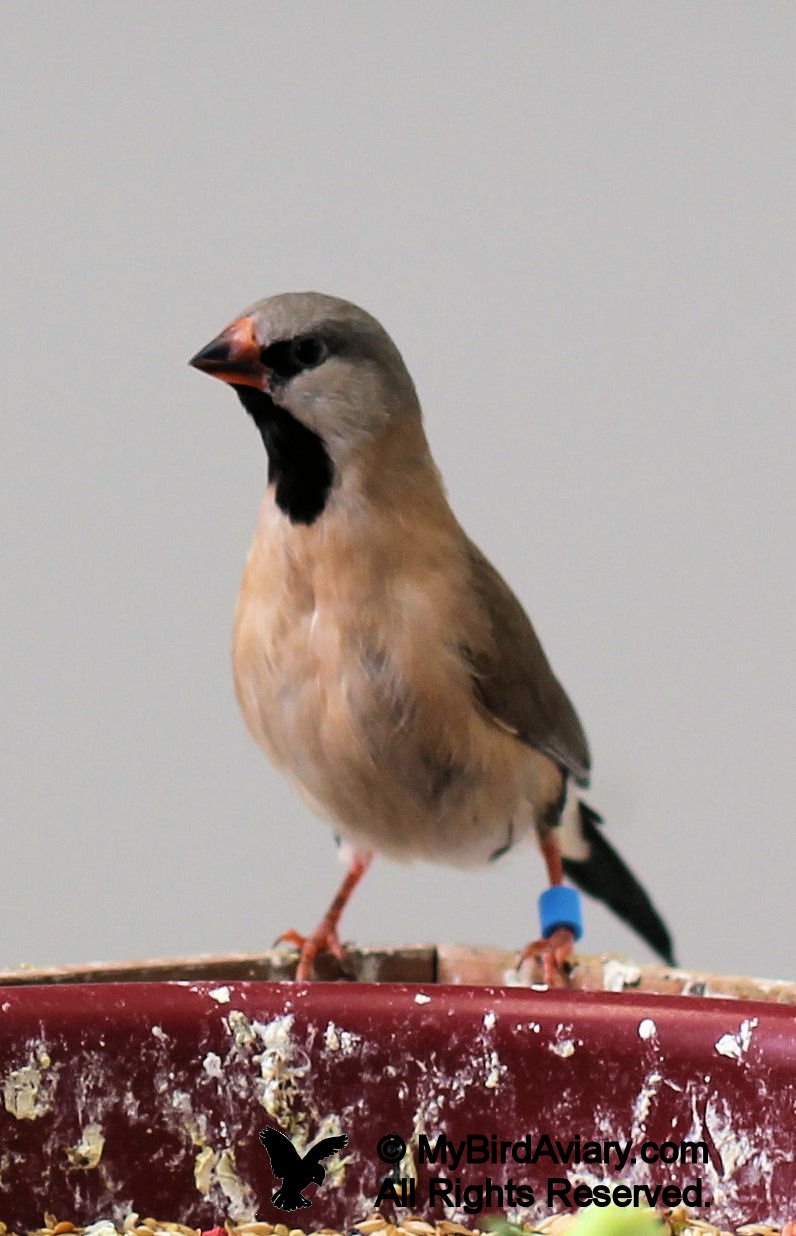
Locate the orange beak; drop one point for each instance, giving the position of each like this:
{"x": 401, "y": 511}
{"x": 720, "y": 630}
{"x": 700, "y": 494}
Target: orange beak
{"x": 233, "y": 356}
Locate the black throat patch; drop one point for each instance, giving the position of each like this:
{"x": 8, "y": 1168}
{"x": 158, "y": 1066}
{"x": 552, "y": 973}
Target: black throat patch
{"x": 298, "y": 463}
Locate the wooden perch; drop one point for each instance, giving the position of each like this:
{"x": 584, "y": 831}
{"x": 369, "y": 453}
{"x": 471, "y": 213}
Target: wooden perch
{"x": 445, "y": 963}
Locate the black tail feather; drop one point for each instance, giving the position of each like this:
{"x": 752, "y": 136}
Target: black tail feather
{"x": 605, "y": 876}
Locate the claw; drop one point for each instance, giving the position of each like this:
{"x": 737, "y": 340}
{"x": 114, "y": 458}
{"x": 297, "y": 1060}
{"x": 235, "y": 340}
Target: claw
{"x": 553, "y": 954}
{"x": 325, "y": 938}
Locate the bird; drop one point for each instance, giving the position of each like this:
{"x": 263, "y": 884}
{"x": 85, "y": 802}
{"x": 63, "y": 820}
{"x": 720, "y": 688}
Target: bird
{"x": 294, "y": 1171}
{"x": 380, "y": 660}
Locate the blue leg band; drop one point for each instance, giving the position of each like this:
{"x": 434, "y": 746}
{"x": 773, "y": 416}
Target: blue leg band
{"x": 559, "y": 906}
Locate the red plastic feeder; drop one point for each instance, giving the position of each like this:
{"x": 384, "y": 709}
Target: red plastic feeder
{"x": 456, "y": 1099}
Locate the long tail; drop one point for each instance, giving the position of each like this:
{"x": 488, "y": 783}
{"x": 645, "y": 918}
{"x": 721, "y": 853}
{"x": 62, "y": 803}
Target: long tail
{"x": 604, "y": 875}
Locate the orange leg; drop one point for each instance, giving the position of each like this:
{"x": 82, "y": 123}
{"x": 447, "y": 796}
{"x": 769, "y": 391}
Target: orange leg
{"x": 553, "y": 952}
{"x": 325, "y": 936}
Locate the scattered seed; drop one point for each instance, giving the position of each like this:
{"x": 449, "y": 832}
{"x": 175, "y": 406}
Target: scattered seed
{"x": 675, "y": 1223}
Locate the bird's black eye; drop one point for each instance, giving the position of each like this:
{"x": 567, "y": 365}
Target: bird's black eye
{"x": 309, "y": 351}
{"x": 287, "y": 357}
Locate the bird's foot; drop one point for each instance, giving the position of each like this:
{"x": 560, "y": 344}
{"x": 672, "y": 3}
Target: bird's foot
{"x": 552, "y": 955}
{"x": 323, "y": 940}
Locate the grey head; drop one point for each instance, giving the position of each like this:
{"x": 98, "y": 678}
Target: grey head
{"x": 320, "y": 378}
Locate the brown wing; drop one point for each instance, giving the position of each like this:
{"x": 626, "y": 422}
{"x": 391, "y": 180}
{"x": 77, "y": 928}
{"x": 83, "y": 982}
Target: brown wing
{"x": 513, "y": 680}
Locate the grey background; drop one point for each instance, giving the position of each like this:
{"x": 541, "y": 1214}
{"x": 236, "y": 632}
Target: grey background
{"x": 577, "y": 220}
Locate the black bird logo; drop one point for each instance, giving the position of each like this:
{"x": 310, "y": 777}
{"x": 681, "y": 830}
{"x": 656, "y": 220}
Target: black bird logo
{"x": 294, "y": 1172}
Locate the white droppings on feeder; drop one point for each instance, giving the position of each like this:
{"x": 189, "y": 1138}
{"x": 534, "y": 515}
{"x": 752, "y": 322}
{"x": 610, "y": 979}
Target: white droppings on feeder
{"x": 131, "y": 1106}
{"x": 647, "y": 1029}
{"x": 159, "y": 1033}
{"x": 734, "y": 1151}
{"x": 212, "y": 1065}
{"x": 617, "y": 974}
{"x": 241, "y": 1028}
{"x": 331, "y": 1038}
{"x": 203, "y": 1166}
{"x": 282, "y": 1064}
{"x": 565, "y": 1041}
{"x": 220, "y": 994}
{"x": 738, "y": 1153}
{"x": 88, "y": 1151}
{"x": 495, "y": 1071}
{"x": 276, "y": 1034}
{"x": 489, "y": 1020}
{"x": 242, "y": 1201}
{"x": 641, "y": 1107}
{"x": 422, "y": 998}
{"x": 734, "y": 1045}
{"x": 340, "y": 1040}
{"x": 437, "y": 1087}
{"x": 28, "y": 1091}
{"x": 194, "y": 1123}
